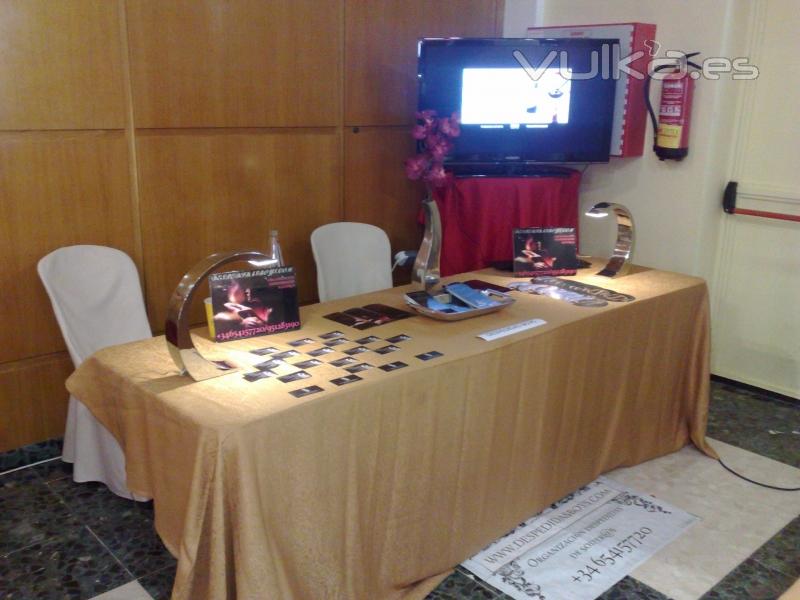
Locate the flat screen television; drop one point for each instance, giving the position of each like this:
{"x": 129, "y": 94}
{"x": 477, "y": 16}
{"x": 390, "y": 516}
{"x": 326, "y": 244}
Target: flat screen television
{"x": 521, "y": 101}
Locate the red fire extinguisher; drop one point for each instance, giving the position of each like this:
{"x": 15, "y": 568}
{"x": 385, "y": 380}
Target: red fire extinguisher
{"x": 675, "y": 110}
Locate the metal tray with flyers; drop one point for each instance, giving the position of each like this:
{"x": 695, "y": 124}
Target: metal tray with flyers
{"x": 503, "y": 301}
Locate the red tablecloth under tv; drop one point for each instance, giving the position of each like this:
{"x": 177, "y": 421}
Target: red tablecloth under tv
{"x": 479, "y": 214}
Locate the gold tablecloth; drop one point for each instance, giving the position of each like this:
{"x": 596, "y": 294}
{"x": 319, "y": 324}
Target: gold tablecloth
{"x": 378, "y": 488}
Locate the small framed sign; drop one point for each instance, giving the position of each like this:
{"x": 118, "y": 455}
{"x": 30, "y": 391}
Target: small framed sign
{"x": 540, "y": 251}
{"x": 253, "y": 303}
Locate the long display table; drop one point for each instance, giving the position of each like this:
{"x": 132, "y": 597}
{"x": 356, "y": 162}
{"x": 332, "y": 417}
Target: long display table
{"x": 376, "y": 489}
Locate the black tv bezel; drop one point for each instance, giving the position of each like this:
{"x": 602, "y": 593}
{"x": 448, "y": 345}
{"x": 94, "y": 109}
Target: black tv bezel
{"x": 476, "y": 163}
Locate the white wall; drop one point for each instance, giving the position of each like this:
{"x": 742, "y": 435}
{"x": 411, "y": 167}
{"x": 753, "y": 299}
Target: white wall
{"x": 676, "y": 206}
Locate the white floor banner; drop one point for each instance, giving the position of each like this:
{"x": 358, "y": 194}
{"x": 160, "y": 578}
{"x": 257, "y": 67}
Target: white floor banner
{"x": 580, "y": 546}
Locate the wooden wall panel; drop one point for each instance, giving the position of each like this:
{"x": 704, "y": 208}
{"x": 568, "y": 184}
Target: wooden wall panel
{"x": 56, "y": 189}
{"x": 208, "y": 63}
{"x": 205, "y": 192}
{"x": 377, "y": 190}
{"x": 235, "y": 111}
{"x": 33, "y": 400}
{"x": 381, "y": 51}
{"x": 60, "y": 65}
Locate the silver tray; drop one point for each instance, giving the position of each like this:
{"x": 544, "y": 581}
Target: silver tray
{"x": 504, "y": 300}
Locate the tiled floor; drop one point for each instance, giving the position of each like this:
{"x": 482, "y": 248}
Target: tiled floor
{"x": 59, "y": 539}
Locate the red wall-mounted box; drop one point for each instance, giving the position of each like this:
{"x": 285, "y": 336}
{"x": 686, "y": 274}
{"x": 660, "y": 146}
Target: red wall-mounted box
{"x": 630, "y": 111}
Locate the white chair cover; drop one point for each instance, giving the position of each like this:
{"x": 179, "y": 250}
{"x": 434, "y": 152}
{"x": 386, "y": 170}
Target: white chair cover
{"x": 352, "y": 258}
{"x": 98, "y": 302}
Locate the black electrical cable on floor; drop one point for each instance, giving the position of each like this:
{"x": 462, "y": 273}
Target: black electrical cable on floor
{"x": 766, "y": 485}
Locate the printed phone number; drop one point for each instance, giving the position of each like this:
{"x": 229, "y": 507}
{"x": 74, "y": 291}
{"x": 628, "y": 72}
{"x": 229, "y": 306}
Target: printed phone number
{"x": 598, "y": 563}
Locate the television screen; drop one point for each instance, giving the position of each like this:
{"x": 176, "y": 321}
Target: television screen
{"x": 522, "y": 100}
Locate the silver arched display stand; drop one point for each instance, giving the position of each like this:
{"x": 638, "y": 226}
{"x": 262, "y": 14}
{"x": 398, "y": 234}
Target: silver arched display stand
{"x": 618, "y": 264}
{"x": 426, "y": 267}
{"x": 179, "y": 338}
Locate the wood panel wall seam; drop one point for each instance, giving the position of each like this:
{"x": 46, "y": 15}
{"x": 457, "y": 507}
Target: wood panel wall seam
{"x": 174, "y": 129}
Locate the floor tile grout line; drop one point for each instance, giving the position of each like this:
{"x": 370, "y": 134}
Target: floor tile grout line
{"x": 30, "y": 465}
{"x": 114, "y": 556}
{"x": 172, "y": 568}
{"x": 43, "y": 542}
{"x": 736, "y": 572}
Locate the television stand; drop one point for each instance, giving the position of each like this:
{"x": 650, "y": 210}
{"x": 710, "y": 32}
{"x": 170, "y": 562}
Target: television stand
{"x": 463, "y": 170}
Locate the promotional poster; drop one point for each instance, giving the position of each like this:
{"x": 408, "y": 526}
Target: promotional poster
{"x": 540, "y": 251}
{"x": 253, "y": 303}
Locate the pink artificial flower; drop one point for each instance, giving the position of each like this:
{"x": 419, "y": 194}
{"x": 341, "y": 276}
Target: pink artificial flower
{"x": 432, "y": 139}
{"x": 440, "y": 149}
{"x": 420, "y": 132}
{"x": 416, "y": 166}
{"x": 436, "y": 141}
{"x": 428, "y": 117}
{"x": 449, "y": 126}
{"x": 436, "y": 175}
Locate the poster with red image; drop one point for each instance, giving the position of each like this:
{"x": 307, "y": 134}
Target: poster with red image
{"x": 253, "y": 303}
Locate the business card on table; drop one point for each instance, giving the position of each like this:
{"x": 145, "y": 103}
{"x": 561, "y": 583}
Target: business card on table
{"x": 296, "y": 376}
{"x": 345, "y": 380}
{"x": 320, "y": 351}
{"x": 398, "y": 338}
{"x": 393, "y": 366}
{"x": 340, "y": 362}
{"x": 356, "y": 350}
{"x": 223, "y": 365}
{"x": 387, "y": 349}
{"x": 264, "y": 351}
{"x": 285, "y": 354}
{"x": 330, "y": 335}
{"x": 429, "y": 355}
{"x": 306, "y": 391}
{"x": 368, "y": 340}
{"x": 336, "y": 342}
{"x": 307, "y": 364}
{"x": 256, "y": 375}
{"x": 301, "y": 342}
{"x": 269, "y": 364}
{"x": 358, "y": 368}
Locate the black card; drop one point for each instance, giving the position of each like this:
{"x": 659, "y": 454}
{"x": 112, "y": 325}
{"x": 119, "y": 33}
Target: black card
{"x": 346, "y": 379}
{"x": 398, "y": 338}
{"x": 390, "y": 311}
{"x": 301, "y": 342}
{"x": 429, "y": 355}
{"x": 264, "y": 351}
{"x": 296, "y": 376}
{"x": 268, "y": 364}
{"x": 330, "y": 335}
{"x": 307, "y": 364}
{"x": 312, "y": 389}
{"x": 285, "y": 354}
{"x": 393, "y": 366}
{"x": 258, "y": 375}
{"x": 358, "y": 368}
{"x": 368, "y": 340}
{"x": 320, "y": 351}
{"x": 387, "y": 349}
{"x": 356, "y": 350}
{"x": 350, "y": 320}
{"x": 340, "y": 362}
{"x": 335, "y": 342}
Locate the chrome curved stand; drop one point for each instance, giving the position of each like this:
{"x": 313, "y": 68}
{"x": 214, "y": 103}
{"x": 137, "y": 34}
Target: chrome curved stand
{"x": 179, "y": 338}
{"x": 618, "y": 264}
{"x": 426, "y": 267}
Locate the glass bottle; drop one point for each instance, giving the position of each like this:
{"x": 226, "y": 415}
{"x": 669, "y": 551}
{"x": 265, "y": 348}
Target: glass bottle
{"x": 274, "y": 249}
